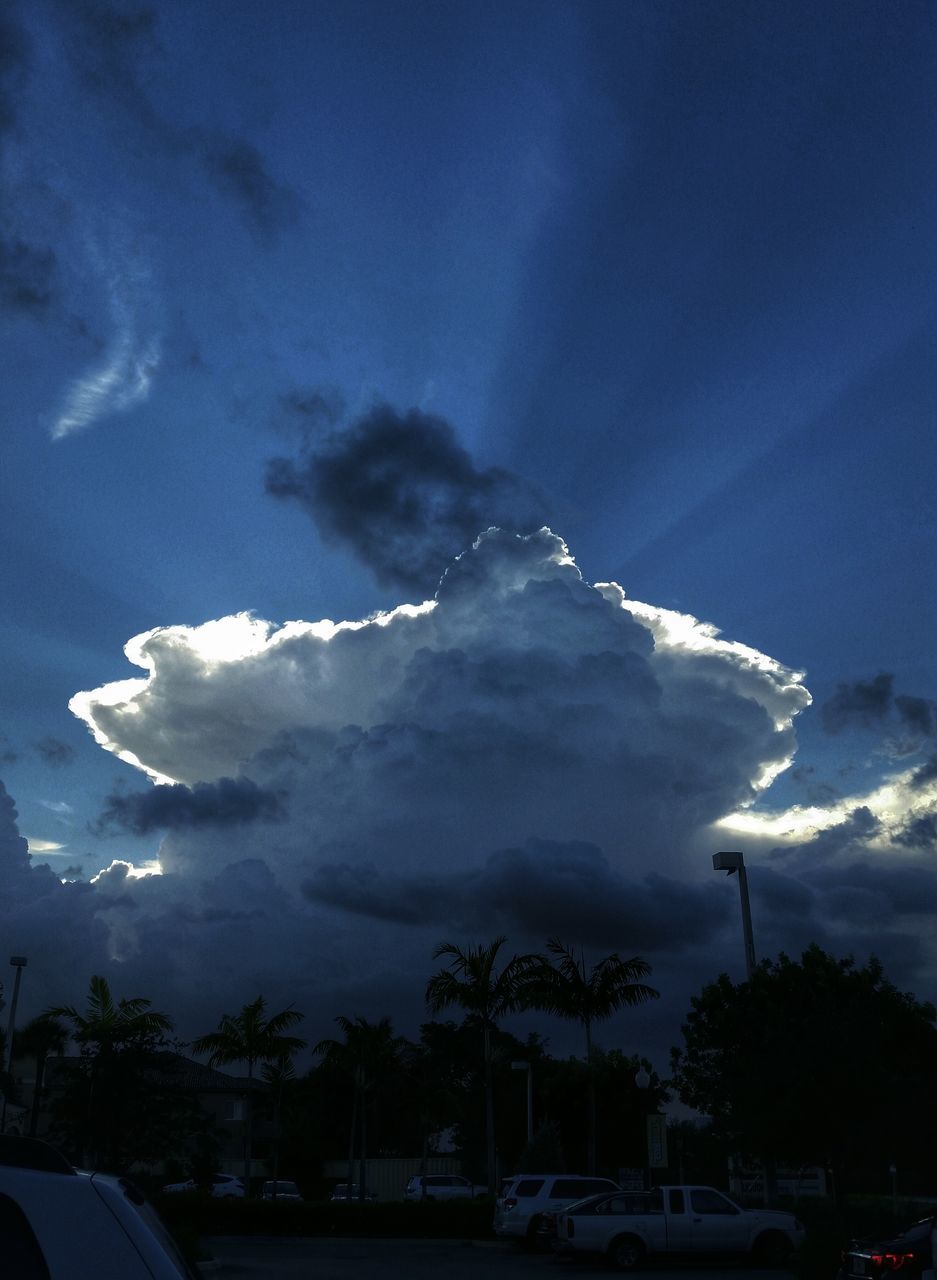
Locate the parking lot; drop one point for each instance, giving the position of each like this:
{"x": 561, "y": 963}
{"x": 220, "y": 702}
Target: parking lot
{"x": 359, "y": 1259}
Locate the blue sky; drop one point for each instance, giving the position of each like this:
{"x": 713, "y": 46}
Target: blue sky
{"x": 667, "y": 267}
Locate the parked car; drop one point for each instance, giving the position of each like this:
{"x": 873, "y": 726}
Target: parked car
{"x": 66, "y": 1224}
{"x": 524, "y": 1210}
{"x": 344, "y": 1191}
{"x": 222, "y": 1184}
{"x": 442, "y": 1186}
{"x": 278, "y": 1189}
{"x": 629, "y": 1226}
{"x": 909, "y": 1252}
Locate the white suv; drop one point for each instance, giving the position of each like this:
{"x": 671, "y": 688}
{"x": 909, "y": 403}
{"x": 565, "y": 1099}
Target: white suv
{"x": 524, "y": 1209}
{"x": 59, "y": 1223}
{"x": 442, "y": 1186}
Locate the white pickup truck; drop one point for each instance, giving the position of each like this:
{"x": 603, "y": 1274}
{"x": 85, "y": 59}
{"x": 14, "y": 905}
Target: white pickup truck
{"x": 628, "y": 1226}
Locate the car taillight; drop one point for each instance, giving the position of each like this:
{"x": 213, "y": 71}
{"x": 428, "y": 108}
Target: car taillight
{"x": 510, "y": 1203}
{"x": 892, "y": 1261}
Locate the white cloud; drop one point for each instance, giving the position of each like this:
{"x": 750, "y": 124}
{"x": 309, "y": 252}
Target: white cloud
{"x": 522, "y": 699}
{"x": 44, "y": 846}
{"x": 497, "y": 758}
{"x": 124, "y": 376}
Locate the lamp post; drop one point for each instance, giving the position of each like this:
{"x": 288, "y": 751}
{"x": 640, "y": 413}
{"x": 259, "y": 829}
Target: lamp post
{"x": 19, "y": 964}
{"x": 643, "y": 1081}
{"x": 730, "y": 863}
{"x": 526, "y": 1066}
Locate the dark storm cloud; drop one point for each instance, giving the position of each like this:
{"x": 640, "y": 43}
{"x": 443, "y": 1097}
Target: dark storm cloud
{"x": 925, "y": 774}
{"x": 225, "y": 803}
{"x": 865, "y": 703}
{"x": 308, "y": 410}
{"x": 108, "y": 47}
{"x": 55, "y": 752}
{"x": 238, "y": 169}
{"x": 27, "y": 276}
{"x": 917, "y": 714}
{"x": 15, "y": 58}
{"x": 870, "y": 893}
{"x": 858, "y": 826}
{"x": 545, "y": 888}
{"x": 403, "y": 494}
{"x": 921, "y": 833}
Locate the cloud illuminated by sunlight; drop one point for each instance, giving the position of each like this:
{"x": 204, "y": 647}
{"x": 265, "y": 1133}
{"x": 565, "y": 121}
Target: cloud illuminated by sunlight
{"x": 895, "y": 802}
{"x": 43, "y": 846}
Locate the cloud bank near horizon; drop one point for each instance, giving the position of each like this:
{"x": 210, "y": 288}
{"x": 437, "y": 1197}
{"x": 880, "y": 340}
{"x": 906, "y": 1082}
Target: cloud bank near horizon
{"x": 527, "y": 752}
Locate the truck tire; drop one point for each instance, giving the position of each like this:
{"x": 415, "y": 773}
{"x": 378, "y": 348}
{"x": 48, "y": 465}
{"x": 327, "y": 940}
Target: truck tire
{"x": 772, "y": 1249}
{"x": 626, "y": 1253}
{"x": 536, "y": 1238}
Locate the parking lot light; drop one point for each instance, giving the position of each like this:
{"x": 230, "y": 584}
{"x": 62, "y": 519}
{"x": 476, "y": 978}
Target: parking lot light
{"x": 730, "y": 863}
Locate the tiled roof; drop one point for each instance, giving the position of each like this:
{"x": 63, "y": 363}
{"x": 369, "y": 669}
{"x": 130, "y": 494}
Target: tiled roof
{"x": 167, "y": 1071}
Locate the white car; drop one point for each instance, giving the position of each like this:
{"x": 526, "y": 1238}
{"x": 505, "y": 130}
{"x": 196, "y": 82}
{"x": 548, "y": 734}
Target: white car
{"x": 61, "y": 1223}
{"x": 442, "y": 1186}
{"x": 629, "y": 1226}
{"x": 280, "y": 1190}
{"x": 525, "y": 1208}
{"x": 222, "y": 1184}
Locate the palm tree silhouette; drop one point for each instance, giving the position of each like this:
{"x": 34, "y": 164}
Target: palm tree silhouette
{"x": 369, "y": 1052}
{"x": 250, "y": 1037}
{"x": 564, "y": 988}
{"x": 38, "y": 1039}
{"x": 471, "y": 981}
{"x": 104, "y": 1029}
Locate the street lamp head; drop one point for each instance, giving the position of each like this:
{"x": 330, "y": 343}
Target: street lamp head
{"x": 18, "y": 961}
{"x": 730, "y": 862}
{"x": 642, "y": 1079}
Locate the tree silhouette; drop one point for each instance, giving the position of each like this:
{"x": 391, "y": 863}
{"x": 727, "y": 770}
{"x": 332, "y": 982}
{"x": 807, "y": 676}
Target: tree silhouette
{"x": 38, "y": 1039}
{"x": 115, "y": 1038}
{"x": 471, "y": 981}
{"x": 564, "y": 988}
{"x": 250, "y": 1037}
{"x": 369, "y": 1052}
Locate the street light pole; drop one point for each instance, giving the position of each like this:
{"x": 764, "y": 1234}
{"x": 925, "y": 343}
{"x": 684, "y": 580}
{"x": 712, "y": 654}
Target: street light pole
{"x": 732, "y": 862}
{"x": 526, "y": 1066}
{"x": 19, "y": 964}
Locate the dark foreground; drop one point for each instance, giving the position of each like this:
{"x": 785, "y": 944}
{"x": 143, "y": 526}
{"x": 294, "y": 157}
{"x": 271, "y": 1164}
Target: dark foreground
{"x": 255, "y": 1258}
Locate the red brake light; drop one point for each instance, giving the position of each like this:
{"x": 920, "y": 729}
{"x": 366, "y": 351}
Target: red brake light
{"x": 510, "y": 1202}
{"x": 892, "y": 1261}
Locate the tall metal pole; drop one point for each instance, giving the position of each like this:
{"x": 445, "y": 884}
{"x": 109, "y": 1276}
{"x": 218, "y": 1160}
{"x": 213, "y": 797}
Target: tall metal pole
{"x": 732, "y": 862}
{"x": 746, "y": 921}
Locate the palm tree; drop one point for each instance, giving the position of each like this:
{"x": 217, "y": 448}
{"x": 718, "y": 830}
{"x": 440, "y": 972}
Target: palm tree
{"x": 105, "y": 1029}
{"x": 278, "y": 1075}
{"x": 471, "y": 981}
{"x": 250, "y": 1037}
{"x": 105, "y": 1025}
{"x": 370, "y": 1052}
{"x": 564, "y": 988}
{"x": 38, "y": 1039}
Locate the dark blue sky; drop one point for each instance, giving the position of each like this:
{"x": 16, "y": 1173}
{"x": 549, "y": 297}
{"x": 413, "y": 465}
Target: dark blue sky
{"x": 669, "y": 266}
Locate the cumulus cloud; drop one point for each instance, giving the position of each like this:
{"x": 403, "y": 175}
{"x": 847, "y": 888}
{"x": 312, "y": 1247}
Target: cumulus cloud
{"x": 224, "y": 803}
{"x": 543, "y": 889}
{"x": 401, "y": 492}
{"x": 526, "y": 753}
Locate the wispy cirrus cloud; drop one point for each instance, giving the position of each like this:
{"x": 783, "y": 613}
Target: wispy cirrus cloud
{"x": 132, "y": 356}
